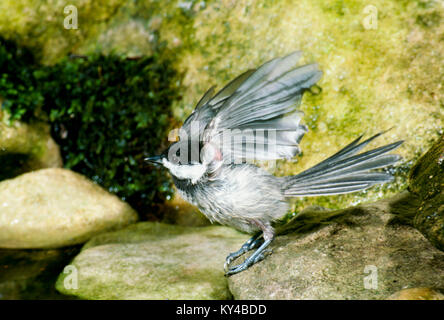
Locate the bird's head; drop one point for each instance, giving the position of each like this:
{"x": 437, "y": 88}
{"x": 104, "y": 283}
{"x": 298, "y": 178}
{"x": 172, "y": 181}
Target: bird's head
{"x": 183, "y": 160}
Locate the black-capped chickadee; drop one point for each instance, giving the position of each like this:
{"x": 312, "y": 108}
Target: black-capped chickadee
{"x": 255, "y": 117}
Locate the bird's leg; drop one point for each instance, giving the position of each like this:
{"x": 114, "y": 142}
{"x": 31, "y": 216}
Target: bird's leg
{"x": 259, "y": 254}
{"x": 252, "y": 243}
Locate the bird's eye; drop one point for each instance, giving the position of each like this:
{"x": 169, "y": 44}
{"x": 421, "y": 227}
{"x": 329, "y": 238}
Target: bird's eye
{"x": 175, "y": 155}
{"x": 175, "y": 158}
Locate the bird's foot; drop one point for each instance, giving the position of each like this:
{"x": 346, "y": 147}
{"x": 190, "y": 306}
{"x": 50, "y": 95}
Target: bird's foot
{"x": 251, "y": 244}
{"x": 257, "y": 256}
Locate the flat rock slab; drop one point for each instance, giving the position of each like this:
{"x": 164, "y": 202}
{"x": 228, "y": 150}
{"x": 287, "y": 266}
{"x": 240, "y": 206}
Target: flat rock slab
{"x": 153, "y": 261}
{"x": 52, "y": 208}
{"x": 356, "y": 253}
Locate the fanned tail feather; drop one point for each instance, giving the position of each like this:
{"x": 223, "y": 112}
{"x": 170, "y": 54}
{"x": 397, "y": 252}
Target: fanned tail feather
{"x": 344, "y": 172}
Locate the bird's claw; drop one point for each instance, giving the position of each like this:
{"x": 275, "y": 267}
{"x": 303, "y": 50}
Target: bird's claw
{"x": 233, "y": 256}
{"x": 252, "y": 243}
{"x": 246, "y": 264}
{"x": 228, "y": 260}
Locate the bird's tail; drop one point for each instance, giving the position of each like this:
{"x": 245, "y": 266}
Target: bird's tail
{"x": 344, "y": 172}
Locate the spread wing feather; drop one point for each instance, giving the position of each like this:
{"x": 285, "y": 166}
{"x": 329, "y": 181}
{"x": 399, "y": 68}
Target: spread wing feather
{"x": 263, "y": 99}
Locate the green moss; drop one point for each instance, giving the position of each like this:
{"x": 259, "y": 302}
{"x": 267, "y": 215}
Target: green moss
{"x": 106, "y": 112}
{"x": 428, "y": 20}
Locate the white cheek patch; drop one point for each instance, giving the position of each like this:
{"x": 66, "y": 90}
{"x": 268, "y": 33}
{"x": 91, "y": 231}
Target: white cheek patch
{"x": 192, "y": 172}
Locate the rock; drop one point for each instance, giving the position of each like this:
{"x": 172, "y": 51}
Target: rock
{"x": 180, "y": 212}
{"x": 50, "y": 28}
{"x": 427, "y": 175}
{"x": 154, "y": 261}
{"x": 52, "y": 208}
{"x": 356, "y": 253}
{"x": 430, "y": 220}
{"x": 427, "y": 182}
{"x": 417, "y": 294}
{"x": 31, "y": 274}
{"x": 130, "y": 38}
{"x": 404, "y": 206}
{"x": 26, "y": 147}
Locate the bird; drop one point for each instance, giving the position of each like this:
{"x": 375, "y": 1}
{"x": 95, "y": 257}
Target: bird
{"x": 256, "y": 117}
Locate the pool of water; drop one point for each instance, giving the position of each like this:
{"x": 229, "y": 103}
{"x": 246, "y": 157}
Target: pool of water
{"x": 31, "y": 274}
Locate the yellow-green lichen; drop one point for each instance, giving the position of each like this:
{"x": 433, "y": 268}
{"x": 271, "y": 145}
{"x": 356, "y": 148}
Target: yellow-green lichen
{"x": 41, "y": 24}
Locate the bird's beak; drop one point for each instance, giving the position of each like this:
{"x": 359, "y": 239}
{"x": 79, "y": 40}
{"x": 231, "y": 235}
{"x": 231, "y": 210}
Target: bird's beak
{"x": 154, "y": 159}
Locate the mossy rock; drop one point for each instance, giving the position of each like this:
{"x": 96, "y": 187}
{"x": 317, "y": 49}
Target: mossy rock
{"x": 427, "y": 182}
{"x": 154, "y": 261}
{"x": 427, "y": 175}
{"x": 26, "y": 147}
{"x": 41, "y": 24}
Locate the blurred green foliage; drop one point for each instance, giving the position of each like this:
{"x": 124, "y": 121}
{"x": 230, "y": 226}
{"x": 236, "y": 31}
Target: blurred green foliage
{"x": 106, "y": 112}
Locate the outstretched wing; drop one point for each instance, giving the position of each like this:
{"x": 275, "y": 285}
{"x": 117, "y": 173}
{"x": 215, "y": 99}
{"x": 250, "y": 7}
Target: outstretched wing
{"x": 209, "y": 104}
{"x": 255, "y": 116}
